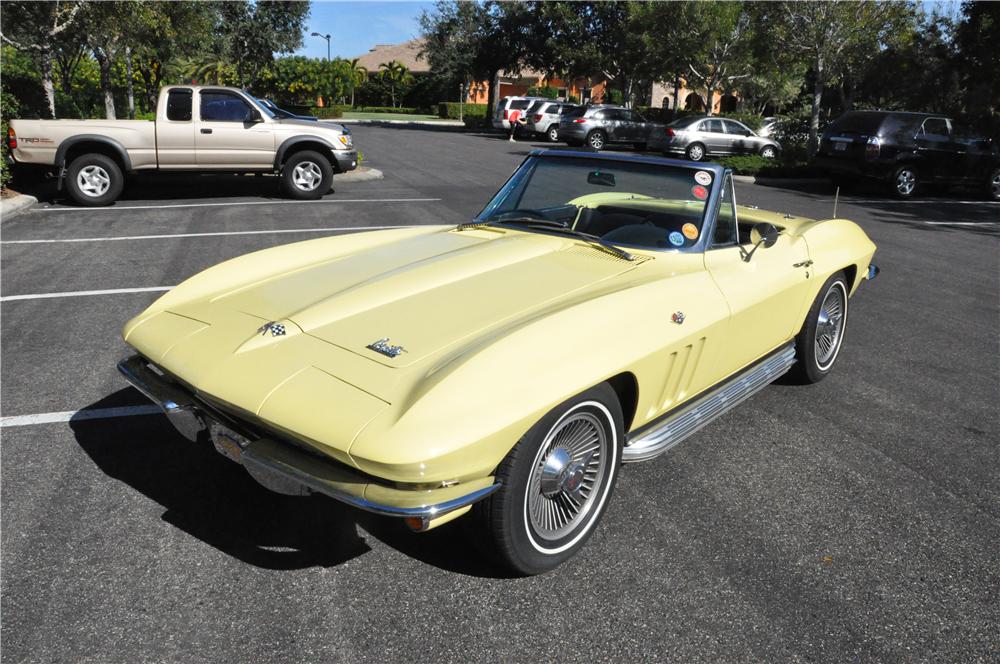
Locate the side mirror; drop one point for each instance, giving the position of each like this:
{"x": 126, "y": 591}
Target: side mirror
{"x": 747, "y": 132}
{"x": 255, "y": 116}
{"x": 761, "y": 234}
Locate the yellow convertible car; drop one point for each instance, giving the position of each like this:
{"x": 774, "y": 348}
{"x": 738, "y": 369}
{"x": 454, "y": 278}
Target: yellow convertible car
{"x": 600, "y": 309}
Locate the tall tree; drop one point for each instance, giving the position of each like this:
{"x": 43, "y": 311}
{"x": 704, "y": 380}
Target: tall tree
{"x": 396, "y": 74}
{"x": 254, "y": 31}
{"x": 825, "y": 32}
{"x": 37, "y": 27}
{"x": 358, "y": 76}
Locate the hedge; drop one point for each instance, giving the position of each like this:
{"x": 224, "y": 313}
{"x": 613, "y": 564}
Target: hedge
{"x": 449, "y": 110}
{"x": 409, "y": 110}
{"x": 773, "y": 168}
{"x": 328, "y": 112}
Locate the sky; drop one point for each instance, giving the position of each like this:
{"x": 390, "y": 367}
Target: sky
{"x": 354, "y": 27}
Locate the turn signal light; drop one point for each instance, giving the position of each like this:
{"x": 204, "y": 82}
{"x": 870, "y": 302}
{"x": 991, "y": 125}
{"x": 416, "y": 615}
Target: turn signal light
{"x": 11, "y": 138}
{"x": 415, "y": 523}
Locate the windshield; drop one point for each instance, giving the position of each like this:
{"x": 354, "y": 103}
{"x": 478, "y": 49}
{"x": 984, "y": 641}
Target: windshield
{"x": 646, "y": 206}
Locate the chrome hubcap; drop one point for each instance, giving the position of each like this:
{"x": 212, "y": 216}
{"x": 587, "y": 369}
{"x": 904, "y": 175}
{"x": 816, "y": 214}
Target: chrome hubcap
{"x": 93, "y": 181}
{"x": 596, "y": 141}
{"x": 569, "y": 469}
{"x": 306, "y": 175}
{"x": 696, "y": 153}
{"x": 995, "y": 185}
{"x": 553, "y": 134}
{"x": 829, "y": 326}
{"x": 905, "y": 182}
{"x": 768, "y": 153}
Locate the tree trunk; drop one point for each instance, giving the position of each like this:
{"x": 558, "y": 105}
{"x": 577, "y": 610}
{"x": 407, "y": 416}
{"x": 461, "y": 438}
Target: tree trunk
{"x": 129, "y": 86}
{"x": 104, "y": 64}
{"x": 47, "y": 85}
{"x": 710, "y": 99}
{"x": 491, "y": 94}
{"x": 677, "y": 92}
{"x": 817, "y": 100}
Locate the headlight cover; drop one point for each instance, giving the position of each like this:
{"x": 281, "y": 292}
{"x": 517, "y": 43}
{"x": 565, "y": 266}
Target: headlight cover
{"x": 346, "y": 140}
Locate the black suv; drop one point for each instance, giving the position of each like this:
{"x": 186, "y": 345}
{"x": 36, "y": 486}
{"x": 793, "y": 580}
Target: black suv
{"x": 907, "y": 151}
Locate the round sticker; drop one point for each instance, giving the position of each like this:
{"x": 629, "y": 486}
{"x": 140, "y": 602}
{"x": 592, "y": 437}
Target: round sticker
{"x": 676, "y": 239}
{"x": 699, "y": 192}
{"x": 703, "y": 177}
{"x": 690, "y": 231}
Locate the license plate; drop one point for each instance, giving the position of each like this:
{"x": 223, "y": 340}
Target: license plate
{"x": 228, "y": 443}
{"x": 840, "y": 147}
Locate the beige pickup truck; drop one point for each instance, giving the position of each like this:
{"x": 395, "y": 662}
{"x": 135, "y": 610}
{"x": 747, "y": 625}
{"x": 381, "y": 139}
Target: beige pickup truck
{"x": 197, "y": 129}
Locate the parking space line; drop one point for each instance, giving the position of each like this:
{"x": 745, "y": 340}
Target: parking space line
{"x": 194, "y": 205}
{"x": 167, "y": 236}
{"x": 938, "y": 201}
{"x": 962, "y": 223}
{"x": 78, "y": 415}
{"x": 109, "y": 291}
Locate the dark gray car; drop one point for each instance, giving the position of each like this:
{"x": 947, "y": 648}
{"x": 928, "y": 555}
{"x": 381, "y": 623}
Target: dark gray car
{"x": 600, "y": 126}
{"x": 697, "y": 137}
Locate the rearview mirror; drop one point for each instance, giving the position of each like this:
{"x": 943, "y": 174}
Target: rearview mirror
{"x": 602, "y": 179}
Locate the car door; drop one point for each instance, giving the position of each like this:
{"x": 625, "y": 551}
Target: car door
{"x": 612, "y": 123}
{"x": 227, "y": 134}
{"x": 973, "y": 154}
{"x": 741, "y": 139}
{"x": 175, "y": 142}
{"x": 938, "y": 159}
{"x": 765, "y": 294}
{"x": 714, "y": 135}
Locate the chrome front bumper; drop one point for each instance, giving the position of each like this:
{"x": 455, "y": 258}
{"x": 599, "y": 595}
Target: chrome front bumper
{"x": 285, "y": 468}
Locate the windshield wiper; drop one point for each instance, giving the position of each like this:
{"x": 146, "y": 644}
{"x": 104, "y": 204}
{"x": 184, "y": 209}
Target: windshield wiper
{"x": 558, "y": 226}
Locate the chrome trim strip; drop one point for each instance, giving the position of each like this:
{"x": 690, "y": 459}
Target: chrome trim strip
{"x": 177, "y": 405}
{"x": 689, "y": 419}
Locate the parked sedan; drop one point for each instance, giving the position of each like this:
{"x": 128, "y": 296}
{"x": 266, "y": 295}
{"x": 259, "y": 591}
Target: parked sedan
{"x": 697, "y": 137}
{"x": 907, "y": 151}
{"x": 317, "y": 367}
{"x": 601, "y": 125}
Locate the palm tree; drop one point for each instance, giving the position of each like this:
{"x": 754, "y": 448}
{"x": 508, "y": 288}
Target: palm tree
{"x": 397, "y": 74}
{"x": 358, "y": 76}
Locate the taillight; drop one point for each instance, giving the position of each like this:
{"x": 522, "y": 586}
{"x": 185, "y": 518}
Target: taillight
{"x": 11, "y": 138}
{"x": 580, "y": 120}
{"x": 505, "y": 111}
{"x": 873, "y": 147}
{"x": 670, "y": 133}
{"x": 538, "y": 117}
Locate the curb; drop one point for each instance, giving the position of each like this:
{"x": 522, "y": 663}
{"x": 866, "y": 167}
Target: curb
{"x": 401, "y": 123}
{"x": 362, "y": 174}
{"x": 15, "y": 205}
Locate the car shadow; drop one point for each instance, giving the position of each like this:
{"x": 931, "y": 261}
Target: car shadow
{"x": 214, "y": 500}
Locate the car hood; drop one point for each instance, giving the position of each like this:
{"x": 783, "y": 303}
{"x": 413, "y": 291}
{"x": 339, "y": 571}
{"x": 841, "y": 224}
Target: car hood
{"x": 424, "y": 293}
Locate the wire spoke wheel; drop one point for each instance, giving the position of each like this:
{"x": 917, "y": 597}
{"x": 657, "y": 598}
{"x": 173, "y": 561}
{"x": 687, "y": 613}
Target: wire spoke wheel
{"x": 93, "y": 181}
{"x": 567, "y": 474}
{"x": 307, "y": 175}
{"x": 829, "y": 326}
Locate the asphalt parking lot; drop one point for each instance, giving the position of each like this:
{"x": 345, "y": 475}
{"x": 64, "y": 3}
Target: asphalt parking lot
{"x": 853, "y": 520}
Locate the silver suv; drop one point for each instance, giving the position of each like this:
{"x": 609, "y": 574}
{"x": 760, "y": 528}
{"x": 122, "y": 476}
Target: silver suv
{"x": 697, "y": 137}
{"x": 501, "y": 114}
{"x": 601, "y": 125}
{"x": 543, "y": 118}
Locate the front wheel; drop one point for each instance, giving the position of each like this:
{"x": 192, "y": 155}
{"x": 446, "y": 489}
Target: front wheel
{"x": 556, "y": 483}
{"x": 695, "y": 152}
{"x": 307, "y": 175}
{"x": 993, "y": 185}
{"x": 818, "y": 343}
{"x": 904, "y": 182}
{"x": 597, "y": 140}
{"x": 768, "y": 152}
{"x": 94, "y": 180}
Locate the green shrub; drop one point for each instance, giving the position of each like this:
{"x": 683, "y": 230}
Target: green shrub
{"x": 769, "y": 168}
{"x": 573, "y": 99}
{"x": 449, "y": 110}
{"x": 546, "y": 91}
{"x": 329, "y": 112}
{"x": 8, "y": 109}
{"x": 386, "y": 109}
{"x": 614, "y": 97}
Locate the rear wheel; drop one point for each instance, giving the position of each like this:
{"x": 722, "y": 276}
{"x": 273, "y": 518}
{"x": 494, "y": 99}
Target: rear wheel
{"x": 94, "y": 180}
{"x": 993, "y": 185}
{"x": 695, "y": 152}
{"x": 307, "y": 175}
{"x": 818, "y": 343}
{"x": 597, "y": 140}
{"x": 904, "y": 182}
{"x": 553, "y": 133}
{"x": 555, "y": 483}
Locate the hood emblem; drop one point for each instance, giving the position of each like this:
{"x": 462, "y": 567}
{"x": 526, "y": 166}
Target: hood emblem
{"x": 383, "y": 346}
{"x": 678, "y": 317}
{"x": 276, "y": 329}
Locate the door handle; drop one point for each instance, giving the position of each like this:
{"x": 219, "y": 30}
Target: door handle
{"x": 206, "y": 131}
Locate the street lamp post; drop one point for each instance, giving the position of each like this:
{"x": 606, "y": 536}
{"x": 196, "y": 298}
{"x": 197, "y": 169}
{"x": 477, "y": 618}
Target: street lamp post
{"x": 327, "y": 38}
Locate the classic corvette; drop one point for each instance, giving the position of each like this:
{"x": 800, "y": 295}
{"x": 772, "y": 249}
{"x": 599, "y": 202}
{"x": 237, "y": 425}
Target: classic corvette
{"x": 600, "y": 309}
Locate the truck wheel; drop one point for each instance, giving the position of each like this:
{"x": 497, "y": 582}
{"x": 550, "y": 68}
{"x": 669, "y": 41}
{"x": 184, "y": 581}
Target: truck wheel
{"x": 307, "y": 175}
{"x": 556, "y": 483}
{"x": 94, "y": 180}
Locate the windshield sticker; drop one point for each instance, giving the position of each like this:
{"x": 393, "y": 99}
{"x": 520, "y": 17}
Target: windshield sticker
{"x": 699, "y": 192}
{"x": 676, "y": 239}
{"x": 690, "y": 231}
{"x": 703, "y": 178}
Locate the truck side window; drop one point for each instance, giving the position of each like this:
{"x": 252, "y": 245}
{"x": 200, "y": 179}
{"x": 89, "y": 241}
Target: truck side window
{"x": 179, "y": 105}
{"x": 224, "y": 107}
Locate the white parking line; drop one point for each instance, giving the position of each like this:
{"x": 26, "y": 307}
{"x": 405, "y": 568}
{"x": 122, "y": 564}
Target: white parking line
{"x": 962, "y": 223}
{"x": 168, "y": 236}
{"x": 883, "y": 201}
{"x": 193, "y": 205}
{"x": 109, "y": 291}
{"x": 78, "y": 415}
